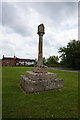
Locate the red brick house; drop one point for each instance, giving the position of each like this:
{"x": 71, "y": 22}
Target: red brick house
{"x": 1, "y": 63}
{"x": 14, "y": 61}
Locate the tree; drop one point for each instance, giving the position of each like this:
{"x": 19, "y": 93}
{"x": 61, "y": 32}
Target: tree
{"x": 52, "y": 60}
{"x": 35, "y": 63}
{"x": 44, "y": 60}
{"x": 70, "y": 55}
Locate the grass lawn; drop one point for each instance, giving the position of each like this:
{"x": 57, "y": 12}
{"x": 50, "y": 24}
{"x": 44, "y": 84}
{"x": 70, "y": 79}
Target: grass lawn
{"x": 62, "y": 103}
{"x": 65, "y": 68}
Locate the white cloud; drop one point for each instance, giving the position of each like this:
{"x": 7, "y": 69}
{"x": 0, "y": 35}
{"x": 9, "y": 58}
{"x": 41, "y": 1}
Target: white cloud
{"x": 15, "y": 44}
{"x": 18, "y": 34}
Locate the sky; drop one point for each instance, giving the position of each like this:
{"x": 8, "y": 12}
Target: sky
{"x": 19, "y": 22}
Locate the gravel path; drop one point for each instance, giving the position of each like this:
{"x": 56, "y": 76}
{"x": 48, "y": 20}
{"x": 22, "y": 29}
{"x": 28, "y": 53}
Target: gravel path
{"x": 64, "y": 70}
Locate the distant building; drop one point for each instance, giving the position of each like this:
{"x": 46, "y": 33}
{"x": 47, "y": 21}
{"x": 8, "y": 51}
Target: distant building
{"x": 14, "y": 61}
{"x": 0, "y": 62}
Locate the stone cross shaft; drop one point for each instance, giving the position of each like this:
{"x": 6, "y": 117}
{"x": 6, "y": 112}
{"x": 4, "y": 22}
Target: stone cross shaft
{"x": 40, "y": 46}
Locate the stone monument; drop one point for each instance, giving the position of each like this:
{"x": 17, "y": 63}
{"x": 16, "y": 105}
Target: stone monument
{"x": 40, "y": 79}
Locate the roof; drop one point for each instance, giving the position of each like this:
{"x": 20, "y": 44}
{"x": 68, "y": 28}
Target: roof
{"x": 28, "y": 60}
{"x": 10, "y": 58}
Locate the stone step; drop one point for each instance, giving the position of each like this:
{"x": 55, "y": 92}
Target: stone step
{"x": 40, "y": 76}
{"x": 31, "y": 86}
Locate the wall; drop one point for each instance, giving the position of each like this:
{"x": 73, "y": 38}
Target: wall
{"x": 8, "y": 62}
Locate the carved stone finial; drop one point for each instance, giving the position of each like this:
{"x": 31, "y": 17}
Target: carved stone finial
{"x": 41, "y": 29}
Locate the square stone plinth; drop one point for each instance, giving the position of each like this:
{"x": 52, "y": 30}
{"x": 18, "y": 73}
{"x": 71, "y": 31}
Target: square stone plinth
{"x": 35, "y": 82}
{"x": 40, "y": 76}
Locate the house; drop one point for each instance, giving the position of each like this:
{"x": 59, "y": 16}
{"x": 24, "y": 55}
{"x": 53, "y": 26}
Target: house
{"x": 0, "y": 62}
{"x": 14, "y": 61}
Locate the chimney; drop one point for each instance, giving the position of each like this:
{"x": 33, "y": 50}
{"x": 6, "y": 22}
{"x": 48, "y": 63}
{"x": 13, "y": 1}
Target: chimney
{"x": 14, "y": 57}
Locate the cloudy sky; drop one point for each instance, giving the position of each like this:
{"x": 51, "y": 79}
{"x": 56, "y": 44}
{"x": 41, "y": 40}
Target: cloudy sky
{"x": 18, "y": 28}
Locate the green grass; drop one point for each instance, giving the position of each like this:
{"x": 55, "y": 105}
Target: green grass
{"x": 0, "y": 92}
{"x": 64, "y": 68}
{"x": 61, "y": 103}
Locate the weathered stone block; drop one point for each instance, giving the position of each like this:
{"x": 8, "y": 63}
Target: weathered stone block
{"x": 40, "y": 76}
{"x": 40, "y": 69}
{"x": 35, "y": 82}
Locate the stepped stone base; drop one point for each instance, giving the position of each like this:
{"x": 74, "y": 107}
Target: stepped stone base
{"x": 40, "y": 69}
{"x": 35, "y": 82}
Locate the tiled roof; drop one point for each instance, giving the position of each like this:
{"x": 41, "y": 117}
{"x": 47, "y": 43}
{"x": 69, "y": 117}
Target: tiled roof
{"x": 10, "y": 58}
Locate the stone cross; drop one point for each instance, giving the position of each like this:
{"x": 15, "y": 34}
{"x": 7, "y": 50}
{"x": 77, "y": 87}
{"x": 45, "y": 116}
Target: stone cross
{"x": 40, "y": 79}
{"x": 40, "y": 32}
